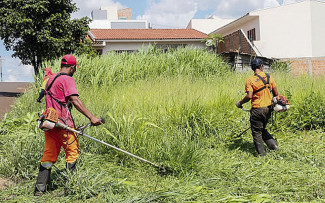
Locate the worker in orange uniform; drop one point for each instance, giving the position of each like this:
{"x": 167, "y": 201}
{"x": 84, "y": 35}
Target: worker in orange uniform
{"x": 61, "y": 91}
{"x": 259, "y": 88}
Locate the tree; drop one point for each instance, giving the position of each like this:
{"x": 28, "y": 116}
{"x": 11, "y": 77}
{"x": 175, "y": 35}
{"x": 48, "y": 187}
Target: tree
{"x": 41, "y": 30}
{"x": 213, "y": 40}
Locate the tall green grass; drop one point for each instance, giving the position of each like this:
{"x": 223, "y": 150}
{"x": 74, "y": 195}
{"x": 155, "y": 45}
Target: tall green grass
{"x": 176, "y": 109}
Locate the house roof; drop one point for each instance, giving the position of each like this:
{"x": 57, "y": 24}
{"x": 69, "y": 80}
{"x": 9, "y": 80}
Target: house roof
{"x": 144, "y": 34}
{"x": 235, "y": 23}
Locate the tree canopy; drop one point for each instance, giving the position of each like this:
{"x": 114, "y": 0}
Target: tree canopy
{"x": 40, "y": 30}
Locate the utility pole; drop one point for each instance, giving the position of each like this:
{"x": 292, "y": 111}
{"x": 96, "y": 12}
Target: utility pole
{"x": 1, "y": 68}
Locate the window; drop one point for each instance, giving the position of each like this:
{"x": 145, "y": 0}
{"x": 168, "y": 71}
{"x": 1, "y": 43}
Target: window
{"x": 251, "y": 35}
{"x": 125, "y": 51}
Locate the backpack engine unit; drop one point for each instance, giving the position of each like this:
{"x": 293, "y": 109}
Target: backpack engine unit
{"x": 280, "y": 105}
{"x": 48, "y": 119}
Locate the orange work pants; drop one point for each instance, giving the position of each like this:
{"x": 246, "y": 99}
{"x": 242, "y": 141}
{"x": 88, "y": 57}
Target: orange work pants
{"x": 57, "y": 138}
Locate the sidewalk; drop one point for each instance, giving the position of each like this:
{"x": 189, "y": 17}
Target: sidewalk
{"x": 9, "y": 91}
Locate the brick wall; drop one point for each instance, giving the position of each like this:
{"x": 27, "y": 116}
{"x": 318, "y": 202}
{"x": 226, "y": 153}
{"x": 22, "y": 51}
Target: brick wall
{"x": 125, "y": 13}
{"x": 310, "y": 65}
{"x": 235, "y": 42}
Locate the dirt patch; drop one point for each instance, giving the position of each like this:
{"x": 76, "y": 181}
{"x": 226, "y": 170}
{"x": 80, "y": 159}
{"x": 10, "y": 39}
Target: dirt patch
{"x": 9, "y": 91}
{"x": 4, "y": 183}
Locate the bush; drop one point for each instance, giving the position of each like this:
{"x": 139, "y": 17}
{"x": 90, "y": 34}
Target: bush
{"x": 280, "y": 66}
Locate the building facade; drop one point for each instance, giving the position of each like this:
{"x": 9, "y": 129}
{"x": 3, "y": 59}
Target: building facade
{"x": 129, "y": 40}
{"x": 208, "y": 25}
{"x": 110, "y": 17}
{"x": 289, "y": 32}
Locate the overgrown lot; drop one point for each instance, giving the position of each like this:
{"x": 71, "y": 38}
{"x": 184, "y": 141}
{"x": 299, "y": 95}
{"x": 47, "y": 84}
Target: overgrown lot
{"x": 176, "y": 109}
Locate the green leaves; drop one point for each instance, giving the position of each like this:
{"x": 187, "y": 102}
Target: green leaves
{"x": 38, "y": 31}
{"x": 113, "y": 68}
{"x": 184, "y": 119}
{"x": 280, "y": 66}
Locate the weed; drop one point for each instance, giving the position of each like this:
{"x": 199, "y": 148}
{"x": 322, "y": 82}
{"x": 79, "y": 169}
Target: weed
{"x": 176, "y": 109}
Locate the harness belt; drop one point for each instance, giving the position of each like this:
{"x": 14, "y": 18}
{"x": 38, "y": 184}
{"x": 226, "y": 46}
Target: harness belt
{"x": 68, "y": 106}
{"x": 48, "y": 87}
{"x": 266, "y": 83}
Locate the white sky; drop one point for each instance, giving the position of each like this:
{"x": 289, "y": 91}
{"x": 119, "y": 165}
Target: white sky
{"x": 160, "y": 14}
{"x": 173, "y": 13}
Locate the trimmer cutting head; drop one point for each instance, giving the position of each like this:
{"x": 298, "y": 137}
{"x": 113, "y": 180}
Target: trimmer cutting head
{"x": 164, "y": 170}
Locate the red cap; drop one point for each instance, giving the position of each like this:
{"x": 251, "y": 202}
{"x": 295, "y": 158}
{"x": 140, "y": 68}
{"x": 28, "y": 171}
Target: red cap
{"x": 69, "y": 60}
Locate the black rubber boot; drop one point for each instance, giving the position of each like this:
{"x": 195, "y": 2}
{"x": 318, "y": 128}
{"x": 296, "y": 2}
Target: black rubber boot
{"x": 72, "y": 166}
{"x": 42, "y": 181}
{"x": 260, "y": 148}
{"x": 269, "y": 140}
{"x": 271, "y": 144}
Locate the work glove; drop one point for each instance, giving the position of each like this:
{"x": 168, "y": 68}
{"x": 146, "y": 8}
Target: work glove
{"x": 239, "y": 105}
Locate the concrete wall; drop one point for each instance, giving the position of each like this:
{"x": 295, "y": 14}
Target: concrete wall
{"x": 207, "y": 25}
{"x": 285, "y": 31}
{"x": 254, "y": 23}
{"x": 119, "y": 24}
{"x": 99, "y": 15}
{"x": 100, "y": 24}
{"x": 318, "y": 28}
{"x": 130, "y": 24}
{"x": 247, "y": 23}
{"x": 250, "y": 24}
{"x": 111, "y": 12}
{"x": 290, "y": 31}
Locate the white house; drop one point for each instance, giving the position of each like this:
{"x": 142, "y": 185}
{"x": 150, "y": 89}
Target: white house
{"x": 288, "y": 31}
{"x": 293, "y": 32}
{"x": 114, "y": 30}
{"x": 208, "y": 25}
{"x": 128, "y": 40}
{"x": 119, "y": 24}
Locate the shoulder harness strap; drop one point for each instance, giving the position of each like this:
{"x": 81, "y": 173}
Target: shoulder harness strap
{"x": 267, "y": 82}
{"x": 68, "y": 105}
{"x": 48, "y": 87}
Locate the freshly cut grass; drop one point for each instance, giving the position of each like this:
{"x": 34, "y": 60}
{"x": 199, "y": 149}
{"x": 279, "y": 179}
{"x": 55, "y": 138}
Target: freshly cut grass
{"x": 185, "y": 119}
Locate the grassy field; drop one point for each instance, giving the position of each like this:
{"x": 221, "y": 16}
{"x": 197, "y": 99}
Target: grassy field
{"x": 176, "y": 109}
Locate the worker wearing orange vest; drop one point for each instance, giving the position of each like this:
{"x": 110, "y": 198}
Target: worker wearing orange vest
{"x": 259, "y": 88}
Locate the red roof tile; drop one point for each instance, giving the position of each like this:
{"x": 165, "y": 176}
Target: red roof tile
{"x": 146, "y": 34}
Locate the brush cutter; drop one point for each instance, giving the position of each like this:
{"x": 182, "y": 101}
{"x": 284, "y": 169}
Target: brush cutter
{"x": 246, "y": 110}
{"x": 243, "y": 132}
{"x": 162, "y": 170}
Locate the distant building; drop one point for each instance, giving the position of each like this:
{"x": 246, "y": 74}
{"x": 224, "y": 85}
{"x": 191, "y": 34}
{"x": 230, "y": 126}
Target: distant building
{"x": 109, "y": 17}
{"x": 129, "y": 40}
{"x": 293, "y": 32}
{"x": 111, "y": 13}
{"x": 208, "y": 25}
{"x": 125, "y": 14}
